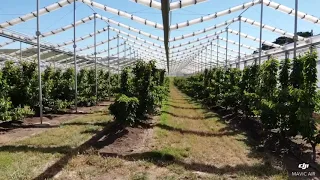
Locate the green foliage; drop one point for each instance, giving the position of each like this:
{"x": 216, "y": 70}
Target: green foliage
{"x": 124, "y": 109}
{"x": 126, "y": 86}
{"x": 307, "y": 126}
{"x": 145, "y": 83}
{"x": 268, "y": 89}
{"x": 285, "y": 124}
{"x": 19, "y": 91}
{"x": 5, "y": 107}
{"x": 86, "y": 87}
{"x": 283, "y": 99}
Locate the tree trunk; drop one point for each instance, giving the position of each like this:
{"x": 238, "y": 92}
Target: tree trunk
{"x": 314, "y": 153}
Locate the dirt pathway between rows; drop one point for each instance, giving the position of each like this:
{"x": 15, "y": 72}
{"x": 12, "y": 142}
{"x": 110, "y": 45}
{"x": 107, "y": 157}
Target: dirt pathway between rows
{"x": 31, "y": 127}
{"x": 215, "y": 147}
{"x": 187, "y": 143}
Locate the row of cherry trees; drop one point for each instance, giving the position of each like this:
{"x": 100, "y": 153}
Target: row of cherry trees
{"x": 281, "y": 95}
{"x": 19, "y": 89}
{"x": 142, "y": 91}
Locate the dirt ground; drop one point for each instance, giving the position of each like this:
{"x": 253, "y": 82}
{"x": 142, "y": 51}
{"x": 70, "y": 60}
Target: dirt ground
{"x": 186, "y": 142}
{"x": 32, "y": 126}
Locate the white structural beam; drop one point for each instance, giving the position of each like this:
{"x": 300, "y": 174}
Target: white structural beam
{"x": 141, "y": 44}
{"x": 26, "y": 39}
{"x": 98, "y": 44}
{"x": 129, "y": 28}
{"x": 33, "y": 14}
{"x": 186, "y": 54}
{"x": 254, "y": 38}
{"x": 198, "y": 39}
{"x": 203, "y": 45}
{"x": 314, "y": 40}
{"x": 7, "y": 43}
{"x": 270, "y": 28}
{"x": 136, "y": 38}
{"x": 149, "y": 3}
{"x": 173, "y": 6}
{"x": 121, "y": 13}
{"x": 204, "y": 30}
{"x": 215, "y": 15}
{"x": 59, "y": 30}
{"x": 86, "y": 55}
{"x": 184, "y": 3}
{"x": 241, "y": 45}
{"x": 290, "y": 11}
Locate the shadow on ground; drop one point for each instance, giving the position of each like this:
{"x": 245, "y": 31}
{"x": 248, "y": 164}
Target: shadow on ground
{"x": 188, "y": 117}
{"x": 198, "y": 133}
{"x": 164, "y": 159}
{"x": 103, "y": 137}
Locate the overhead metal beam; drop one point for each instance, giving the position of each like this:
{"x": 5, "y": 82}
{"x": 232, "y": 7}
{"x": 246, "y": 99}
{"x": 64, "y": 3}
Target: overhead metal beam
{"x": 165, "y": 8}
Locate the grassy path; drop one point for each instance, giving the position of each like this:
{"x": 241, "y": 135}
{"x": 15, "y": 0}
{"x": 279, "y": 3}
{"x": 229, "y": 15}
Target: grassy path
{"x": 202, "y": 143}
{"x": 28, "y": 158}
{"x": 188, "y": 142}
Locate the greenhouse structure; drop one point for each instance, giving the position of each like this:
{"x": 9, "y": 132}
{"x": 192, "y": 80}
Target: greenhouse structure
{"x": 159, "y": 89}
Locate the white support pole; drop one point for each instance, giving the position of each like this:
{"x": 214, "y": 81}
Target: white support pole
{"x": 201, "y": 60}
{"x": 211, "y": 62}
{"x": 130, "y": 53}
{"x": 118, "y": 52}
{"x": 109, "y": 91}
{"x": 75, "y": 59}
{"x": 38, "y": 33}
{"x": 227, "y": 35}
{"x": 95, "y": 56}
{"x": 295, "y": 29}
{"x": 218, "y": 51}
{"x": 286, "y": 55}
{"x": 205, "y": 64}
{"x": 125, "y": 50}
{"x": 239, "y": 48}
{"x": 261, "y": 19}
{"x": 20, "y": 51}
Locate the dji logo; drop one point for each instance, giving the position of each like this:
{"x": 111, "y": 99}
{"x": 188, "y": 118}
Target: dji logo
{"x": 303, "y": 166}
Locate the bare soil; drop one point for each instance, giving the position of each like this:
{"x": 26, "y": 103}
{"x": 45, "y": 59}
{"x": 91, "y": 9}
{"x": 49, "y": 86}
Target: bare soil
{"x": 15, "y": 131}
{"x": 126, "y": 141}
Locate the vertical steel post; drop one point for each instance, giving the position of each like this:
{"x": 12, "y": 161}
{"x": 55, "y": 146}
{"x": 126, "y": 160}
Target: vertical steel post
{"x": 125, "y": 50}
{"x": 227, "y": 34}
{"x": 20, "y": 51}
{"x": 295, "y": 29}
{"x": 118, "y": 52}
{"x": 239, "y": 48}
{"x": 261, "y": 21}
{"x": 286, "y": 55}
{"x": 211, "y": 55}
{"x": 134, "y": 55}
{"x": 75, "y": 59}
{"x": 198, "y": 63}
{"x": 201, "y": 66}
{"x": 205, "y": 64}
{"x": 38, "y": 33}
{"x": 130, "y": 53}
{"x": 218, "y": 51}
{"x": 109, "y": 72}
{"x": 95, "y": 56}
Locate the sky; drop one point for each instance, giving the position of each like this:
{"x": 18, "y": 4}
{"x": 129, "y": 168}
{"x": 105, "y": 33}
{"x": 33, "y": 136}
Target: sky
{"x": 64, "y": 16}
